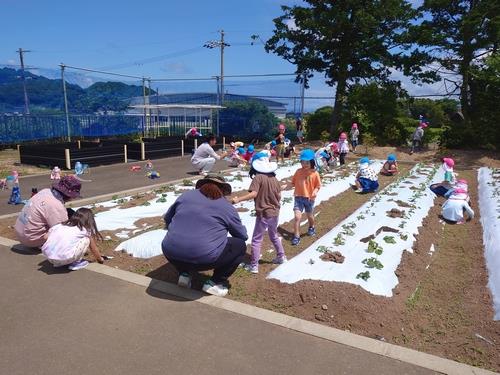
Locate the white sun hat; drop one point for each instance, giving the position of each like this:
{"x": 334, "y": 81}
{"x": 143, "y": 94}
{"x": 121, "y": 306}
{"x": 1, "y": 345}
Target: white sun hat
{"x": 261, "y": 163}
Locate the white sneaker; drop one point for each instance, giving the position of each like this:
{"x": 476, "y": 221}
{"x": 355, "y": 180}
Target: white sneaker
{"x": 280, "y": 260}
{"x": 184, "y": 280}
{"x": 78, "y": 265}
{"x": 251, "y": 268}
{"x": 215, "y": 289}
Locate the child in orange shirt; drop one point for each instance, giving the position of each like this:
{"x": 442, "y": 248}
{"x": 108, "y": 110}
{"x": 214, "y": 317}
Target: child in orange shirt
{"x": 307, "y": 183}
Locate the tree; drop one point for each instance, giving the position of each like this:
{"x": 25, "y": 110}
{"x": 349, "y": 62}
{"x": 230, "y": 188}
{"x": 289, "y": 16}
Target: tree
{"x": 238, "y": 119}
{"x": 348, "y": 41}
{"x": 457, "y": 35}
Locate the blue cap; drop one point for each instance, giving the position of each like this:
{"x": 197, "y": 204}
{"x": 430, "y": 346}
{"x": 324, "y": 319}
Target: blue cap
{"x": 307, "y": 155}
{"x": 260, "y": 155}
{"x": 391, "y": 157}
{"x": 241, "y": 150}
{"x": 250, "y": 148}
{"x": 364, "y": 160}
{"x": 273, "y": 143}
{"x": 324, "y": 154}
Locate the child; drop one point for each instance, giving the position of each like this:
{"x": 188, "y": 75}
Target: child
{"x": 55, "y": 174}
{"x": 416, "y": 139}
{"x": 322, "y": 158}
{"x": 250, "y": 153}
{"x": 280, "y": 147}
{"x": 343, "y": 146}
{"x": 271, "y": 147}
{"x": 68, "y": 242}
{"x": 366, "y": 178}
{"x": 307, "y": 183}
{"x": 265, "y": 189}
{"x": 354, "y": 136}
{"x": 453, "y": 208}
{"x": 289, "y": 149}
{"x": 449, "y": 175}
{"x": 390, "y": 167}
{"x": 192, "y": 133}
{"x": 236, "y": 158}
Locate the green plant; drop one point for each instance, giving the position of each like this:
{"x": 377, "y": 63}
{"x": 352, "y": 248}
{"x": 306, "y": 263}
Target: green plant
{"x": 339, "y": 240}
{"x": 373, "y": 263}
{"x": 374, "y": 247}
{"x": 161, "y": 200}
{"x": 404, "y": 237}
{"x": 146, "y": 203}
{"x": 238, "y": 177}
{"x": 114, "y": 197}
{"x": 363, "y": 275}
{"x": 187, "y": 182}
{"x": 389, "y": 239}
{"x": 323, "y": 249}
{"x": 287, "y": 200}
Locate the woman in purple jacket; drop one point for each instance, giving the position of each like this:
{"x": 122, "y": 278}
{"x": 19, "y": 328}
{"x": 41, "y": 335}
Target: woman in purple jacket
{"x": 198, "y": 224}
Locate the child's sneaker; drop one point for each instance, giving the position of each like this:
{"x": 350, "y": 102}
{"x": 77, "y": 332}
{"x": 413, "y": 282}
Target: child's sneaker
{"x": 78, "y": 265}
{"x": 215, "y": 289}
{"x": 279, "y": 260}
{"x": 184, "y": 280}
{"x": 251, "y": 268}
{"x": 311, "y": 231}
{"x": 295, "y": 241}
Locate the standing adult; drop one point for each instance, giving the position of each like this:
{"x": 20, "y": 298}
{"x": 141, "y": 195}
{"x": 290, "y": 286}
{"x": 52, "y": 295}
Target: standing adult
{"x": 198, "y": 224}
{"x": 418, "y": 135}
{"x": 205, "y": 157}
{"x": 300, "y": 130}
{"x": 44, "y": 210}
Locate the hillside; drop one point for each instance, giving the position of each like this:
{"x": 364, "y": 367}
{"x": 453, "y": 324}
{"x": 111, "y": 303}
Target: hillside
{"x": 45, "y": 95}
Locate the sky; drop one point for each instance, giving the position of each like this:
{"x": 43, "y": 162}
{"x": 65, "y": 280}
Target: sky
{"x": 158, "y": 39}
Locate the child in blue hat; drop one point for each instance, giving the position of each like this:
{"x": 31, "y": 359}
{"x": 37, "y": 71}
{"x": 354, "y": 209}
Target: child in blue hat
{"x": 307, "y": 183}
{"x": 366, "y": 178}
{"x": 390, "y": 167}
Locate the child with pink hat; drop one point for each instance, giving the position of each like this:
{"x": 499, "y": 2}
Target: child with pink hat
{"x": 354, "y": 136}
{"x": 449, "y": 175}
{"x": 453, "y": 208}
{"x": 343, "y": 146}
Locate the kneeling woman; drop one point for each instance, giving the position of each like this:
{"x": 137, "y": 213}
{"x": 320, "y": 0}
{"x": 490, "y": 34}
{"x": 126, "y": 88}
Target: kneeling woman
{"x": 198, "y": 224}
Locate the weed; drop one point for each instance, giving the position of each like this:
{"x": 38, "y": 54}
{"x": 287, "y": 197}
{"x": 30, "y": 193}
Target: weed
{"x": 412, "y": 300}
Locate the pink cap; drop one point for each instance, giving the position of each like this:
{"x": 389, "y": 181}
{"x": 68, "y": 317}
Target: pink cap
{"x": 459, "y": 191}
{"x": 354, "y": 125}
{"x": 281, "y": 126}
{"x": 343, "y": 135}
{"x": 449, "y": 162}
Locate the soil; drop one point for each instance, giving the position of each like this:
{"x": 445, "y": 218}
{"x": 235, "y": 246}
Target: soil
{"x": 395, "y": 213}
{"x": 401, "y": 203}
{"x": 440, "y": 304}
{"x": 138, "y": 200}
{"x": 334, "y": 256}
{"x": 9, "y": 161}
{"x": 379, "y": 230}
{"x": 242, "y": 209}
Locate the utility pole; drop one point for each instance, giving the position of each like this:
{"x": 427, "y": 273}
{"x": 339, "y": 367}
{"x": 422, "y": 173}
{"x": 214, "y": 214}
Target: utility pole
{"x": 68, "y": 129}
{"x": 219, "y": 44}
{"x": 144, "y": 102}
{"x": 23, "y": 77}
{"x": 302, "y": 93}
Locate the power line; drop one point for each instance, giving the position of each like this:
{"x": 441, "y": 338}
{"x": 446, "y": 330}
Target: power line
{"x": 102, "y": 72}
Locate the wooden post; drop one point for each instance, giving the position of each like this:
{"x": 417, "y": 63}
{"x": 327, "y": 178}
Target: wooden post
{"x": 19, "y": 153}
{"x": 195, "y": 143}
{"x": 143, "y": 151}
{"x": 182, "y": 147}
{"x": 79, "y": 144}
{"x": 224, "y": 143}
{"x": 125, "y": 153}
{"x": 67, "y": 156}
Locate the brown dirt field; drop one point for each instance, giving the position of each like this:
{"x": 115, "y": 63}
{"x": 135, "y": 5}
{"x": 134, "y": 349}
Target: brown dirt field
{"x": 7, "y": 228}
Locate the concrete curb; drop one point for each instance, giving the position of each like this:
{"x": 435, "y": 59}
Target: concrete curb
{"x": 367, "y": 344}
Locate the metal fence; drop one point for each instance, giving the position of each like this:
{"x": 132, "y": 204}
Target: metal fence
{"x": 17, "y": 129}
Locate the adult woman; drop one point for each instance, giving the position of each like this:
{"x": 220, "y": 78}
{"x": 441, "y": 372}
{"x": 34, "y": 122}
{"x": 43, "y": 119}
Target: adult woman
{"x": 198, "y": 224}
{"x": 204, "y": 157}
{"x": 44, "y": 210}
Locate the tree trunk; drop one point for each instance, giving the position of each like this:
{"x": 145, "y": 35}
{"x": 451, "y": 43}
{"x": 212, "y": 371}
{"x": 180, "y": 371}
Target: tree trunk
{"x": 340, "y": 97}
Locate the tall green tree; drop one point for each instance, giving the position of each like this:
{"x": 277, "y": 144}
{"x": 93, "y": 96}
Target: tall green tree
{"x": 349, "y": 41}
{"x": 457, "y": 35}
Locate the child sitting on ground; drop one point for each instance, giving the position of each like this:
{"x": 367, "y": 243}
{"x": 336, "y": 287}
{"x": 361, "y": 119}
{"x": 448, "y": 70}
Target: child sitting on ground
{"x": 307, "y": 183}
{"x": 236, "y": 158}
{"x": 68, "y": 242}
{"x": 453, "y": 208}
{"x": 390, "y": 167}
{"x": 449, "y": 175}
{"x": 265, "y": 189}
{"x": 366, "y": 178}
{"x": 343, "y": 146}
{"x": 322, "y": 158}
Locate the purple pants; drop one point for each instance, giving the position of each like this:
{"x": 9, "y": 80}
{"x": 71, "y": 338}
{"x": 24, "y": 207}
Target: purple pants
{"x": 261, "y": 225}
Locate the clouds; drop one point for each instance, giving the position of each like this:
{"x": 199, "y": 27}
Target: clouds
{"x": 177, "y": 67}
